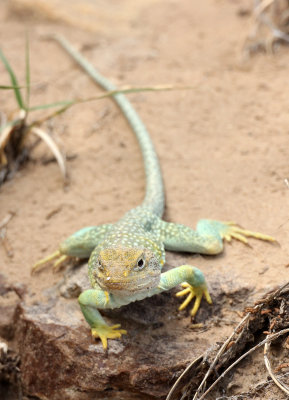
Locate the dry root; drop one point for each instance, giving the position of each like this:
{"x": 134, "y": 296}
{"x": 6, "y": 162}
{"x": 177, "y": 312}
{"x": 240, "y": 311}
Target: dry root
{"x": 15, "y": 148}
{"x": 266, "y": 322}
{"x": 271, "y": 25}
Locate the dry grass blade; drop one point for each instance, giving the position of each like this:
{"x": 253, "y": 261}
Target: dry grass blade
{"x": 13, "y": 149}
{"x": 267, "y": 340}
{"x": 3, "y": 237}
{"x": 220, "y": 352}
{"x": 6, "y": 131}
{"x": 182, "y": 376}
{"x": 270, "y": 311}
{"x": 270, "y": 26}
{"x": 66, "y": 104}
{"x": 261, "y": 7}
{"x": 4, "y": 138}
{"x": 280, "y": 385}
{"x": 54, "y": 148}
{"x": 6, "y": 220}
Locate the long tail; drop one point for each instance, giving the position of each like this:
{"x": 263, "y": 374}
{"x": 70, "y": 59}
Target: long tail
{"x": 154, "y": 197}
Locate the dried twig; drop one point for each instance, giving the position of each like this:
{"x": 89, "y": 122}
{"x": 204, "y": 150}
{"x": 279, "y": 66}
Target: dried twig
{"x": 220, "y": 352}
{"x": 261, "y": 7}
{"x": 280, "y": 385}
{"x": 6, "y": 219}
{"x": 252, "y": 312}
{"x": 182, "y": 376}
{"x": 3, "y": 238}
{"x": 53, "y": 147}
{"x": 267, "y": 340}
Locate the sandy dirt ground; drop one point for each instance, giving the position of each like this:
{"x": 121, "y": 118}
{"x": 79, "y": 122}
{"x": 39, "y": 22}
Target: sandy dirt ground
{"x": 223, "y": 146}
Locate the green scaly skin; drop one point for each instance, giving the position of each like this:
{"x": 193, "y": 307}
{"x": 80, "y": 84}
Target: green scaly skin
{"x": 126, "y": 258}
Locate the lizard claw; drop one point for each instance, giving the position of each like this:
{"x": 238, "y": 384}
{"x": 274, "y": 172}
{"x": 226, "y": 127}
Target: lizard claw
{"x": 230, "y": 231}
{"x": 57, "y": 264}
{"x": 105, "y": 332}
{"x": 194, "y": 291}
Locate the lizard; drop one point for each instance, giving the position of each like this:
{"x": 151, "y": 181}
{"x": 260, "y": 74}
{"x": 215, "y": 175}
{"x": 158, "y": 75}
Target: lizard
{"x": 126, "y": 258}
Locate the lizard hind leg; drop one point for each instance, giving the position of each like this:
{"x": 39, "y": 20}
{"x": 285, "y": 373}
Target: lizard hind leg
{"x": 79, "y": 245}
{"x": 57, "y": 254}
{"x": 230, "y": 230}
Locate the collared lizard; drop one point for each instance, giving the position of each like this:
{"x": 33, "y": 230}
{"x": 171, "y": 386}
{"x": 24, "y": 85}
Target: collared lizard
{"x": 126, "y": 258}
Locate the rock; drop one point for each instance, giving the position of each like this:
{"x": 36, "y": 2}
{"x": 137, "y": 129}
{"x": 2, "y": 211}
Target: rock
{"x": 9, "y": 372}
{"x": 10, "y": 296}
{"x": 75, "y": 282}
{"x": 60, "y": 359}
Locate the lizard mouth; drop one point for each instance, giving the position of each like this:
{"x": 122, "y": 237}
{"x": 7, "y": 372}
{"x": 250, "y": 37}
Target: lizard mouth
{"x": 129, "y": 284}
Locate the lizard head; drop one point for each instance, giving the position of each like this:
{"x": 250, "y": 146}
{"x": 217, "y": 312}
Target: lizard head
{"x": 124, "y": 270}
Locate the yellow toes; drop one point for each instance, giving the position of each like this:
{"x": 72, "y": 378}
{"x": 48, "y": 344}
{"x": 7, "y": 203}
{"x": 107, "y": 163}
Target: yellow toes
{"x": 103, "y": 341}
{"x": 45, "y": 260}
{"x": 183, "y": 292}
{"x": 248, "y": 233}
{"x": 260, "y": 236}
{"x": 233, "y": 223}
{"x": 197, "y": 292}
{"x": 233, "y": 231}
{"x": 119, "y": 332}
{"x": 194, "y": 310}
{"x": 58, "y": 264}
{"x": 187, "y": 301}
{"x": 104, "y": 332}
{"x": 239, "y": 237}
{"x": 207, "y": 296}
{"x": 228, "y": 238}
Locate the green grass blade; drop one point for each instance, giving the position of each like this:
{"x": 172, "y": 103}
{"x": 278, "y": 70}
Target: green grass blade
{"x": 65, "y": 105}
{"x": 13, "y": 80}
{"x": 53, "y": 105}
{"x": 68, "y": 103}
{"x": 7, "y": 87}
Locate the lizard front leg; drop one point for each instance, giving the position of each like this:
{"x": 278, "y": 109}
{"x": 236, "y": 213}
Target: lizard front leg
{"x": 192, "y": 279}
{"x": 90, "y": 301}
{"x": 80, "y": 245}
{"x": 208, "y": 237}
{"x": 94, "y": 299}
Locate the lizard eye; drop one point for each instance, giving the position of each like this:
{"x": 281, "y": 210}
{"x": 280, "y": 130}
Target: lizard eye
{"x": 140, "y": 264}
{"x": 99, "y": 265}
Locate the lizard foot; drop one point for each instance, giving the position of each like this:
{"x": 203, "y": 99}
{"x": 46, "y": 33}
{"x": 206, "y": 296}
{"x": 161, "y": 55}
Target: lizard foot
{"x": 194, "y": 291}
{"x": 105, "y": 332}
{"x": 57, "y": 264}
{"x": 230, "y": 230}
